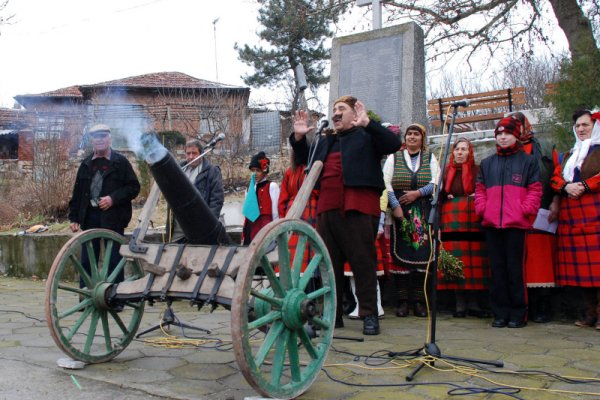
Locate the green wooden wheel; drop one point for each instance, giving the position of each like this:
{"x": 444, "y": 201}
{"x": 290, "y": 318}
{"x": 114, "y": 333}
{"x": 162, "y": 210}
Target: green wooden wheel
{"x": 81, "y": 322}
{"x": 271, "y": 307}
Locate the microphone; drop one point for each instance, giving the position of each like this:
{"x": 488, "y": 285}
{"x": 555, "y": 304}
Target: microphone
{"x": 322, "y": 125}
{"x": 215, "y": 140}
{"x": 462, "y": 103}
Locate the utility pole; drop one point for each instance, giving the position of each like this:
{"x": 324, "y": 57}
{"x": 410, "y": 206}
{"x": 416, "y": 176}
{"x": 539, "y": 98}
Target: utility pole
{"x": 215, "y": 36}
{"x": 376, "y": 11}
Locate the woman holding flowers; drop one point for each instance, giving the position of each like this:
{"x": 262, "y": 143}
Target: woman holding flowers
{"x": 409, "y": 176}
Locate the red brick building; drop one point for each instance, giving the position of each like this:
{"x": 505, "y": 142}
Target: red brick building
{"x": 159, "y": 102}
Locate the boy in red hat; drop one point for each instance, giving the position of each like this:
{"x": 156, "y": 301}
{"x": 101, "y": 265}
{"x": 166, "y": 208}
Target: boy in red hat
{"x": 260, "y": 206}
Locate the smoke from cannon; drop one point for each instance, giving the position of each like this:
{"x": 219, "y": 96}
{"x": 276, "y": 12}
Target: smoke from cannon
{"x": 199, "y": 225}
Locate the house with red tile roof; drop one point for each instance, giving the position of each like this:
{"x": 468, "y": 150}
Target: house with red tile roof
{"x": 159, "y": 102}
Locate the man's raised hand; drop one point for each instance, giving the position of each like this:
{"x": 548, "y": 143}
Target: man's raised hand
{"x": 362, "y": 119}
{"x": 301, "y": 124}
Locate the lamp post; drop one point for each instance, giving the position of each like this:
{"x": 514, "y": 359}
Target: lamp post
{"x": 215, "y": 36}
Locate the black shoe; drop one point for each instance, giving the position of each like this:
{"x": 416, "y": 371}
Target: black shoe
{"x": 459, "y": 314}
{"x": 499, "y": 323}
{"x": 402, "y": 310}
{"x": 478, "y": 313}
{"x": 517, "y": 324}
{"x": 371, "y": 325}
{"x": 339, "y": 322}
{"x": 420, "y": 310}
{"x": 541, "y": 319}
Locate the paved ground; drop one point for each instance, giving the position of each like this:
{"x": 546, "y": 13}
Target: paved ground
{"x": 28, "y": 358}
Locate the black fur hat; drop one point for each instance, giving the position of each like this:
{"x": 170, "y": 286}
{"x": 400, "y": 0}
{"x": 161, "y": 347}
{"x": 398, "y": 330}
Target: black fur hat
{"x": 260, "y": 161}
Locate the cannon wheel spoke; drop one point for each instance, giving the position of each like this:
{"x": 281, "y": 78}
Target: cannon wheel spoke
{"x": 82, "y": 325}
{"x": 276, "y": 355}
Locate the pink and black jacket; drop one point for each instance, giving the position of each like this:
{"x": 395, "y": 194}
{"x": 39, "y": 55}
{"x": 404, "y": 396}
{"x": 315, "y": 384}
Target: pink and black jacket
{"x": 508, "y": 191}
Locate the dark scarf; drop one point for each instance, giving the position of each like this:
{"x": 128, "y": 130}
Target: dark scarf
{"x": 508, "y": 151}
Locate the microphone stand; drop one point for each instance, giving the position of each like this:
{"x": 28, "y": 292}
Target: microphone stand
{"x": 313, "y": 147}
{"x": 431, "y": 348}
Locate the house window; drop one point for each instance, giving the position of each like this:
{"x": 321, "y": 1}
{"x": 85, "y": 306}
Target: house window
{"x": 9, "y": 145}
{"x": 213, "y": 124}
{"x": 49, "y": 128}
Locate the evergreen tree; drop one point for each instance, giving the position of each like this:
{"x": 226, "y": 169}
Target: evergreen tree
{"x": 296, "y": 31}
{"x": 577, "y": 88}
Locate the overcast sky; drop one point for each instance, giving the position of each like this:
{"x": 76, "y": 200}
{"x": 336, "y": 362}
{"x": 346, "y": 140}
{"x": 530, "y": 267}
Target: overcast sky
{"x": 60, "y": 43}
{"x": 53, "y": 44}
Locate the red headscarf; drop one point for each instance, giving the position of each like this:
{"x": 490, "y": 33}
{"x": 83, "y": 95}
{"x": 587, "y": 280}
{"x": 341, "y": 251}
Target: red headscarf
{"x": 526, "y": 128}
{"x": 465, "y": 168}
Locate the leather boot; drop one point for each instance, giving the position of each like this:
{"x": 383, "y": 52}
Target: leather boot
{"x": 590, "y": 301}
{"x": 542, "y": 314}
{"x": 402, "y": 309}
{"x": 401, "y": 284}
{"x": 420, "y": 310}
{"x": 543, "y": 307}
{"x": 460, "y": 310}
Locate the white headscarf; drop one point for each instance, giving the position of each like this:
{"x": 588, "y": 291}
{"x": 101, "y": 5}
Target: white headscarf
{"x": 581, "y": 148}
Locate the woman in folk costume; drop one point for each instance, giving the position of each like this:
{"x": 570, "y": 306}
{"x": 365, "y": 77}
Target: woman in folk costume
{"x": 461, "y": 231}
{"x": 578, "y": 182}
{"x": 290, "y": 186}
{"x": 540, "y": 246}
{"x": 382, "y": 243}
{"x": 409, "y": 176}
{"x": 260, "y": 206}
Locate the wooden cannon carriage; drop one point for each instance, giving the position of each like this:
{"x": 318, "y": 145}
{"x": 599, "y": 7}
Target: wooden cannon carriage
{"x": 271, "y": 299}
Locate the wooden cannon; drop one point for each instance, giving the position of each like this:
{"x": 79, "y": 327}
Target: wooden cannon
{"x": 272, "y": 290}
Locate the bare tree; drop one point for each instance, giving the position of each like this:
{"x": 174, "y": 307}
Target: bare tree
{"x": 531, "y": 73}
{"x": 454, "y": 83}
{"x": 470, "y": 26}
{"x": 204, "y": 114}
{"x": 7, "y": 19}
{"x": 52, "y": 176}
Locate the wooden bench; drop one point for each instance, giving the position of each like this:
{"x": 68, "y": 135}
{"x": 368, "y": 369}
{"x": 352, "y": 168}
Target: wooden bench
{"x": 484, "y": 106}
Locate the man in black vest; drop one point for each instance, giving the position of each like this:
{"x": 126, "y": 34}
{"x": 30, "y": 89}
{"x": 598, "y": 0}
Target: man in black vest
{"x": 350, "y": 185}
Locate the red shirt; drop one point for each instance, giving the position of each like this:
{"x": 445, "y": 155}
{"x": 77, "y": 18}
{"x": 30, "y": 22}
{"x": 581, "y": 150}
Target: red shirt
{"x": 334, "y": 195}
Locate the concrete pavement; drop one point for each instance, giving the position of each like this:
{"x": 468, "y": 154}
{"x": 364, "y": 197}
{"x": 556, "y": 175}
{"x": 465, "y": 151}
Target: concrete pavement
{"x": 209, "y": 370}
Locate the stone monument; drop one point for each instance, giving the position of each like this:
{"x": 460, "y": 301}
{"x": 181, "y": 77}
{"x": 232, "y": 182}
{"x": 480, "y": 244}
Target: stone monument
{"x": 385, "y": 69}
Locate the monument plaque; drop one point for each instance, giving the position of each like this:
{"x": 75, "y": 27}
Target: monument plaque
{"x": 384, "y": 68}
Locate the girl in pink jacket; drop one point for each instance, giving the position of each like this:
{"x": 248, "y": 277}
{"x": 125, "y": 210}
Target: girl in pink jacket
{"x": 507, "y": 197}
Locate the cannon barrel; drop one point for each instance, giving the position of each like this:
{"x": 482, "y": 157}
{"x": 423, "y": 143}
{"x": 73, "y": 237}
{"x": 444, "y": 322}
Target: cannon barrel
{"x": 198, "y": 223}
